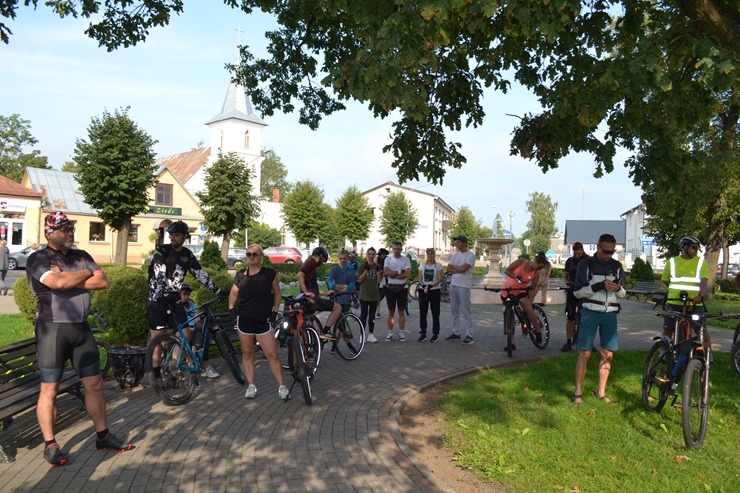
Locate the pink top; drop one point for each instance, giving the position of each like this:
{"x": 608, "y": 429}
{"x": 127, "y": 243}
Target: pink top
{"x": 520, "y": 272}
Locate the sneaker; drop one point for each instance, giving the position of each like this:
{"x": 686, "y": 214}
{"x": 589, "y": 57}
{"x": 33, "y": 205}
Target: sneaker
{"x": 389, "y": 337}
{"x": 538, "y": 337}
{"x": 568, "y": 346}
{"x": 54, "y": 455}
{"x": 378, "y": 315}
{"x": 434, "y": 338}
{"x": 402, "y": 336}
{"x": 251, "y": 392}
{"x": 209, "y": 372}
{"x": 453, "y": 337}
{"x": 372, "y": 338}
{"x": 333, "y": 349}
{"x": 112, "y": 442}
{"x": 513, "y": 348}
{"x": 422, "y": 338}
{"x": 283, "y": 392}
{"x": 468, "y": 340}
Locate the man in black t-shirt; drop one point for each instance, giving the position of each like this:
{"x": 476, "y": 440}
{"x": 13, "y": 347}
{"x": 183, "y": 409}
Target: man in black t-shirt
{"x": 309, "y": 284}
{"x": 569, "y": 276}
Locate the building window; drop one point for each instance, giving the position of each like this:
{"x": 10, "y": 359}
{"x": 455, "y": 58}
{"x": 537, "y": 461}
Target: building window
{"x": 164, "y": 194}
{"x": 246, "y": 139}
{"x": 133, "y": 234}
{"x": 97, "y": 232}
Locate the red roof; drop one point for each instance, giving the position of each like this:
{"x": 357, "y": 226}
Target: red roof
{"x": 9, "y": 187}
{"x": 186, "y": 164}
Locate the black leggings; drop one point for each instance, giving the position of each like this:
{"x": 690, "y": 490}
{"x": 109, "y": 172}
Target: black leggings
{"x": 58, "y": 341}
{"x": 368, "y": 307}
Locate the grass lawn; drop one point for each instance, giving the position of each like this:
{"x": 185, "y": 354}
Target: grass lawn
{"x": 14, "y": 328}
{"x": 517, "y": 426}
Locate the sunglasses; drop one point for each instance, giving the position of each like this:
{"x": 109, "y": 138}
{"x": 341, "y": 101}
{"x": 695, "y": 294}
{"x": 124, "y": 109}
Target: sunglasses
{"x": 66, "y": 230}
{"x": 252, "y": 254}
{"x": 608, "y": 252}
{"x": 695, "y": 247}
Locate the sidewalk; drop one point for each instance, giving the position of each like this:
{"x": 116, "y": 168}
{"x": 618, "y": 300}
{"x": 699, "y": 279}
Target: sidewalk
{"x": 347, "y": 441}
{"x": 7, "y": 303}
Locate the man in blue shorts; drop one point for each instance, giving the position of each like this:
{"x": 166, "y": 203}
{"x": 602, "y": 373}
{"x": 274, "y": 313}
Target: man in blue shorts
{"x": 60, "y": 279}
{"x": 599, "y": 283}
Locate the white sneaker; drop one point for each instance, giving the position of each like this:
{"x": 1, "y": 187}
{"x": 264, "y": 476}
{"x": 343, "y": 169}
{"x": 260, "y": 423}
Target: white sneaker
{"x": 251, "y": 392}
{"x": 209, "y": 372}
{"x": 389, "y": 337}
{"x": 402, "y": 336}
{"x": 378, "y": 315}
{"x": 372, "y": 338}
{"x": 283, "y": 392}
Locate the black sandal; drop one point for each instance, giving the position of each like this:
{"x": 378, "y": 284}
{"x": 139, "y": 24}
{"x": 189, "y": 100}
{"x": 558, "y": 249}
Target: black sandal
{"x": 575, "y": 398}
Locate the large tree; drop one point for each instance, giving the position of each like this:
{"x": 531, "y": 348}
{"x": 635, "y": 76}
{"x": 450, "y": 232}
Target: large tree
{"x": 15, "y": 139}
{"x": 398, "y": 218}
{"x": 273, "y": 174}
{"x": 541, "y": 225}
{"x": 304, "y": 212}
{"x": 353, "y": 216}
{"x": 465, "y": 223}
{"x": 228, "y": 202}
{"x": 116, "y": 170}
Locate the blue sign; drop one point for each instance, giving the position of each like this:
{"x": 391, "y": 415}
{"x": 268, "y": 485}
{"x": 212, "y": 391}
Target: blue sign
{"x": 203, "y": 227}
{"x": 550, "y": 254}
{"x": 647, "y": 241}
{"x": 507, "y": 234}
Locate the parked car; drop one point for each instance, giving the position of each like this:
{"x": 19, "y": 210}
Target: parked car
{"x": 732, "y": 270}
{"x": 283, "y": 255}
{"x": 235, "y": 256}
{"x": 412, "y": 255}
{"x": 18, "y": 259}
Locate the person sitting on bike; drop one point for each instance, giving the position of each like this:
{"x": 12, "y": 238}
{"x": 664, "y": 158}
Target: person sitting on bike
{"x": 309, "y": 285}
{"x": 520, "y": 274}
{"x": 343, "y": 282}
{"x": 569, "y": 276}
{"x": 353, "y": 263}
{"x": 686, "y": 272}
{"x": 195, "y": 328}
{"x": 170, "y": 263}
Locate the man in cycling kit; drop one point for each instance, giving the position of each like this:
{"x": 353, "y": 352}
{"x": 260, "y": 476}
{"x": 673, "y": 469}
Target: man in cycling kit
{"x": 60, "y": 279}
{"x": 309, "y": 284}
{"x": 170, "y": 264}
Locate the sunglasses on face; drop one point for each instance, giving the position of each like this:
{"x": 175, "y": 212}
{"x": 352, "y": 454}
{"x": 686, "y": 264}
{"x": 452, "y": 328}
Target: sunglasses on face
{"x": 607, "y": 252}
{"x": 253, "y": 254}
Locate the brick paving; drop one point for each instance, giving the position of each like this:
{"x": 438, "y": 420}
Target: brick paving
{"x": 347, "y": 441}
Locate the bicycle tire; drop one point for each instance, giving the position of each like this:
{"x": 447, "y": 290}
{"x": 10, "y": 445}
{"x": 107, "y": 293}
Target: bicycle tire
{"x": 231, "y": 356}
{"x": 576, "y": 327}
{"x": 444, "y": 296}
{"x": 654, "y": 392}
{"x": 105, "y": 362}
{"x": 176, "y": 385}
{"x": 509, "y": 330}
{"x": 300, "y": 369}
{"x": 313, "y": 350}
{"x": 414, "y": 290}
{"x": 735, "y": 359}
{"x": 351, "y": 336}
{"x": 694, "y": 403}
{"x": 544, "y": 323}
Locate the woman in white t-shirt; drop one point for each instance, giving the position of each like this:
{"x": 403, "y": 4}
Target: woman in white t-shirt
{"x": 430, "y": 277}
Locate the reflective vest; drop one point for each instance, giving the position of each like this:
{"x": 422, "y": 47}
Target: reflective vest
{"x": 685, "y": 283}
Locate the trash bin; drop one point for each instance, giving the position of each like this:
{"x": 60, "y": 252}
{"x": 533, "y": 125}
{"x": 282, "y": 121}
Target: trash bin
{"x": 128, "y": 364}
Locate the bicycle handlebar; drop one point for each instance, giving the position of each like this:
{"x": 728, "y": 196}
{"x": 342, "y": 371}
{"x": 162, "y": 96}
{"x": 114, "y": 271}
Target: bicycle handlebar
{"x": 498, "y": 290}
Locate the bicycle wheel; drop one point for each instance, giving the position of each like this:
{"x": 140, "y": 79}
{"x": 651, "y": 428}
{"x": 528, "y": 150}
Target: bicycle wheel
{"x": 232, "y": 357}
{"x": 313, "y": 350}
{"x": 281, "y": 329}
{"x": 177, "y": 382}
{"x": 445, "y": 294}
{"x": 735, "y": 359}
{"x": 542, "y": 318}
{"x": 105, "y": 361}
{"x": 351, "y": 334}
{"x": 509, "y": 330}
{"x": 576, "y": 327}
{"x": 414, "y": 290}
{"x": 695, "y": 403}
{"x": 299, "y": 368}
{"x": 655, "y": 378}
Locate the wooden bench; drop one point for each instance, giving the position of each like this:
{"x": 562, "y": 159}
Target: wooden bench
{"x": 644, "y": 288}
{"x": 20, "y": 383}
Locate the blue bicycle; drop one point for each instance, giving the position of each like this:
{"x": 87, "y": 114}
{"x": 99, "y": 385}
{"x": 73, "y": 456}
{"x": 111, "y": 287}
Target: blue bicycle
{"x": 182, "y": 362}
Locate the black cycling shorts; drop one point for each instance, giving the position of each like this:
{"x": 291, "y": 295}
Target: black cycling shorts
{"x": 58, "y": 342}
{"x": 164, "y": 314}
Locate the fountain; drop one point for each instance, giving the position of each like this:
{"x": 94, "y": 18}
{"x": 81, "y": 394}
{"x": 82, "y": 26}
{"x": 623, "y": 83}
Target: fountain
{"x": 494, "y": 279}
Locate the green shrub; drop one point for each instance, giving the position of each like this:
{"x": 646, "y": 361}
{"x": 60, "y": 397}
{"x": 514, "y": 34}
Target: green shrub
{"x": 201, "y": 294}
{"x": 557, "y": 273}
{"x": 641, "y": 271}
{"x": 726, "y": 285}
{"x": 24, "y": 299}
{"x": 211, "y": 257}
{"x": 123, "y": 305}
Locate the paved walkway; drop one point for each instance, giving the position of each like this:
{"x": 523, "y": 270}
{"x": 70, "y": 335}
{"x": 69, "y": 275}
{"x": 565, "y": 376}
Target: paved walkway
{"x": 347, "y": 441}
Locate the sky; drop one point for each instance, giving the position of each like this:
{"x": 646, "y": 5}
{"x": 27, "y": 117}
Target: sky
{"x": 59, "y": 79}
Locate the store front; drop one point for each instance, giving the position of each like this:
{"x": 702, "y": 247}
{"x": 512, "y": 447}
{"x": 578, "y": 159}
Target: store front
{"x": 19, "y": 215}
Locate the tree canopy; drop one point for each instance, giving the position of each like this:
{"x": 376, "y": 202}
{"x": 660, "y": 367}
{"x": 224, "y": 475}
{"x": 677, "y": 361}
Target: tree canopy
{"x": 227, "y": 203}
{"x": 353, "y": 216}
{"x": 15, "y": 138}
{"x": 116, "y": 170}
{"x": 398, "y": 218}
{"x": 541, "y": 225}
{"x": 273, "y": 174}
{"x": 304, "y": 212}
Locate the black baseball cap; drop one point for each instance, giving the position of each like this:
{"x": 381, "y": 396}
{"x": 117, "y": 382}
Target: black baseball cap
{"x": 462, "y": 238}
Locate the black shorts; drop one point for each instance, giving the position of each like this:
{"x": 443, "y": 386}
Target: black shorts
{"x": 570, "y": 305}
{"x": 322, "y": 305}
{"x": 398, "y": 298}
{"x": 58, "y": 342}
{"x": 251, "y": 326}
{"x": 163, "y": 314}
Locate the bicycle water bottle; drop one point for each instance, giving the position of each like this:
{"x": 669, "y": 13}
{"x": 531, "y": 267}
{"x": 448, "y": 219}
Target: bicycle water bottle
{"x": 680, "y": 362}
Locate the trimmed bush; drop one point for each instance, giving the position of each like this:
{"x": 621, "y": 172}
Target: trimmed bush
{"x": 24, "y": 299}
{"x": 641, "y": 271}
{"x": 124, "y": 307}
{"x": 211, "y": 257}
{"x": 726, "y": 285}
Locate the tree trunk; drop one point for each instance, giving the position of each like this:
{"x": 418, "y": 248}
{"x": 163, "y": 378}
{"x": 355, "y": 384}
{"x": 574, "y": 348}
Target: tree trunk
{"x": 225, "y": 247}
{"x": 122, "y": 244}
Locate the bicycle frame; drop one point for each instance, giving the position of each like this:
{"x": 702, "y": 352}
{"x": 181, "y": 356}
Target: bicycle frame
{"x": 197, "y": 354}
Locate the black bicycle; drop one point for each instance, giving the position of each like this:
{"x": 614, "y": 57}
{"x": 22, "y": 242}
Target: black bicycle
{"x": 104, "y": 347}
{"x": 735, "y": 352}
{"x": 514, "y": 312}
{"x": 444, "y": 288}
{"x": 182, "y": 362}
{"x": 686, "y": 356}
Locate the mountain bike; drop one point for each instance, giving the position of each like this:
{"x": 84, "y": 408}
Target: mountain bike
{"x": 686, "y": 356}
{"x": 350, "y": 334}
{"x": 735, "y": 352}
{"x": 514, "y": 313}
{"x": 182, "y": 362}
{"x": 444, "y": 288}
{"x": 296, "y": 334}
{"x": 104, "y": 347}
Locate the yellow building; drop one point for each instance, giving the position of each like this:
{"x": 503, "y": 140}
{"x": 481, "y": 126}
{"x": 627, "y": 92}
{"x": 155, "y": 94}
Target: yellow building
{"x": 169, "y": 201}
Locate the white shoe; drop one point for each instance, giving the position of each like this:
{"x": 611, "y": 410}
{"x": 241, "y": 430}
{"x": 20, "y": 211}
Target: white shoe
{"x": 283, "y": 392}
{"x": 402, "y": 336}
{"x": 372, "y": 338}
{"x": 209, "y": 372}
{"x": 251, "y": 392}
{"x": 389, "y": 337}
